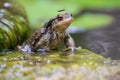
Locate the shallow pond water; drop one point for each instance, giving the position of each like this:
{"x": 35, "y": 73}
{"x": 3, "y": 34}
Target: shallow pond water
{"x": 104, "y": 40}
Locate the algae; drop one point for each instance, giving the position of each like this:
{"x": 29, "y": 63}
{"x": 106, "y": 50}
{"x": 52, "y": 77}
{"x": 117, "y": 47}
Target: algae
{"x": 14, "y": 26}
{"x": 83, "y": 65}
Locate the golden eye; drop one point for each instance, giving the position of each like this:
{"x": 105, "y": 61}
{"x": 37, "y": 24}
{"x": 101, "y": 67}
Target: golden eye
{"x": 60, "y": 17}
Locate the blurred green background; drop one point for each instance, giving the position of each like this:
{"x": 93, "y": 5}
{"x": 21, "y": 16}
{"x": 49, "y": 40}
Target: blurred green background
{"x": 39, "y": 11}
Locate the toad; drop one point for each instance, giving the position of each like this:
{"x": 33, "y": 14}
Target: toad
{"x": 51, "y": 34}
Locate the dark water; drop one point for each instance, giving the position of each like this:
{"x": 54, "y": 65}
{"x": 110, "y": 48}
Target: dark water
{"x": 104, "y": 41}
{"x": 101, "y": 43}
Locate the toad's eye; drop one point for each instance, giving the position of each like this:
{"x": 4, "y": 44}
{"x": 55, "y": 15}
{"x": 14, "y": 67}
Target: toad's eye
{"x": 60, "y": 17}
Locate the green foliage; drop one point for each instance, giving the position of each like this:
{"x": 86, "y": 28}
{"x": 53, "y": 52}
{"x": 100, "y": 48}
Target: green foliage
{"x": 90, "y": 21}
{"x": 39, "y": 11}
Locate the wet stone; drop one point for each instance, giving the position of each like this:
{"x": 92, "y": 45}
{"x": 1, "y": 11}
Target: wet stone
{"x": 83, "y": 65}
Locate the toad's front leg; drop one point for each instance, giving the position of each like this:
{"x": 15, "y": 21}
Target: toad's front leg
{"x": 69, "y": 43}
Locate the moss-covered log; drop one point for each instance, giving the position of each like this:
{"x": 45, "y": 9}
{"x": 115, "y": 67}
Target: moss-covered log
{"x": 14, "y": 26}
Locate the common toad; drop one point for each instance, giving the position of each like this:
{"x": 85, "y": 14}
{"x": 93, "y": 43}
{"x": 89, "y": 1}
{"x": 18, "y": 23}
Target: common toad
{"x": 51, "y": 34}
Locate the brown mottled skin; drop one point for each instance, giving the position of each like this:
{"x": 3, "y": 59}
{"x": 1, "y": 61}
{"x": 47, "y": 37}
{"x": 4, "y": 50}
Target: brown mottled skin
{"x": 51, "y": 34}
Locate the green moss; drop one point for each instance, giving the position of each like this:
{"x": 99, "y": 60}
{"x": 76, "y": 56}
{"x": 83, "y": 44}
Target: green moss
{"x": 80, "y": 57}
{"x": 55, "y": 65}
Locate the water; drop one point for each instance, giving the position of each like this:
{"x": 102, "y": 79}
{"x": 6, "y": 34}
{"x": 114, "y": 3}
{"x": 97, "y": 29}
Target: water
{"x": 99, "y": 44}
{"x": 104, "y": 41}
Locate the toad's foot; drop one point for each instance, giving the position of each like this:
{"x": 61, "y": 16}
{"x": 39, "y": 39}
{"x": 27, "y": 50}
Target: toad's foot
{"x": 26, "y": 49}
{"x": 43, "y": 51}
{"x": 72, "y": 49}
